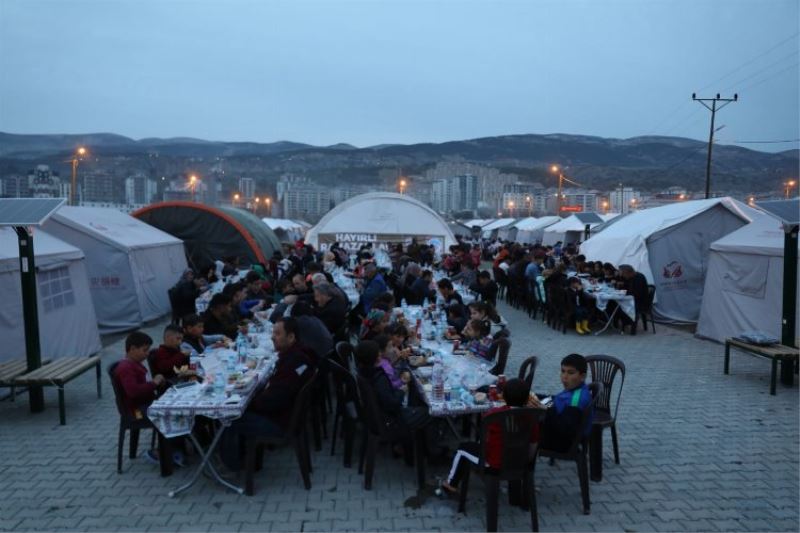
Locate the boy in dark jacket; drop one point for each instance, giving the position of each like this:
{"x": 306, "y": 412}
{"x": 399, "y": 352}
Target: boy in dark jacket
{"x": 580, "y": 304}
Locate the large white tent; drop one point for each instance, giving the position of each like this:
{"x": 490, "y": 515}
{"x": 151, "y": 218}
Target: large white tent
{"x": 381, "y": 218}
{"x": 131, "y": 265}
{"x": 670, "y": 246}
{"x": 570, "y": 229}
{"x": 67, "y": 323}
{"x": 744, "y": 282}
{"x": 492, "y": 229}
{"x": 531, "y": 230}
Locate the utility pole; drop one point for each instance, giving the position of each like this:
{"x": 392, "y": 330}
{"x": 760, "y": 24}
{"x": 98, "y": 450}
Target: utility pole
{"x": 713, "y": 108}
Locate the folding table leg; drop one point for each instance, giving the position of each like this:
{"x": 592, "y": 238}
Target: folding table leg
{"x": 206, "y": 464}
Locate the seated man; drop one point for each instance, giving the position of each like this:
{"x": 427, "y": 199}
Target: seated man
{"x": 217, "y": 319}
{"x": 270, "y": 411}
{"x": 330, "y": 308}
{"x": 312, "y": 333}
{"x": 562, "y": 419}
{"x": 421, "y": 289}
{"x": 194, "y": 341}
{"x": 467, "y": 276}
{"x": 486, "y": 288}
{"x": 448, "y": 292}
{"x": 255, "y": 287}
{"x": 169, "y": 356}
{"x": 374, "y": 285}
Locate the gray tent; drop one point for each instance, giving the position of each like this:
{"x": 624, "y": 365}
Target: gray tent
{"x": 131, "y": 265}
{"x": 67, "y": 323}
{"x": 744, "y": 284}
{"x": 670, "y": 246}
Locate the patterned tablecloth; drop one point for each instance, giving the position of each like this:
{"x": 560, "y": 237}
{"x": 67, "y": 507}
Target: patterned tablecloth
{"x": 602, "y": 294}
{"x": 462, "y": 373}
{"x": 174, "y": 412}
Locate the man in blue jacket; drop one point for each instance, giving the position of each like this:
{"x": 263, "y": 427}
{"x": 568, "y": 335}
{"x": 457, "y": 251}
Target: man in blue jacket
{"x": 374, "y": 286}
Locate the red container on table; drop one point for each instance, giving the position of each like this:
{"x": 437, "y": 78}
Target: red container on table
{"x": 493, "y": 393}
{"x": 501, "y": 381}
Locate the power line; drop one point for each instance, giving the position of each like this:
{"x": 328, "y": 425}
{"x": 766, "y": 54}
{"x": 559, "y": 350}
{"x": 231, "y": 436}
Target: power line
{"x": 756, "y": 73}
{"x": 759, "y": 142}
{"x": 773, "y": 75}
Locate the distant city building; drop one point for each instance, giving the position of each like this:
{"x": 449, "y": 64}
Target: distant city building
{"x": 15, "y": 186}
{"x": 624, "y": 200}
{"x": 301, "y": 198}
{"x": 490, "y": 182}
{"x": 139, "y": 190}
{"x": 456, "y": 193}
{"x": 247, "y": 188}
{"x": 43, "y": 183}
{"x": 100, "y": 187}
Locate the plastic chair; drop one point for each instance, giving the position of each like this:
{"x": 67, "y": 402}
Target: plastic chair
{"x": 346, "y": 355}
{"x": 647, "y": 313}
{"x": 527, "y": 370}
{"x": 127, "y": 422}
{"x": 604, "y": 369}
{"x": 296, "y": 436}
{"x": 518, "y": 458}
{"x": 579, "y": 448}
{"x": 500, "y": 347}
{"x": 348, "y": 409}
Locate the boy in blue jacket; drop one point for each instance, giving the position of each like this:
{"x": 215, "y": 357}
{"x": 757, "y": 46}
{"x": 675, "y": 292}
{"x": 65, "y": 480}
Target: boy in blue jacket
{"x": 563, "y": 418}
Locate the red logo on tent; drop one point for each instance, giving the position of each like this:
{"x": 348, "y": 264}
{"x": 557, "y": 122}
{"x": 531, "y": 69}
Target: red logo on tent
{"x": 673, "y": 270}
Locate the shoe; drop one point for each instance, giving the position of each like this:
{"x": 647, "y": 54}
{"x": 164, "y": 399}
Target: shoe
{"x": 151, "y": 456}
{"x": 585, "y": 326}
{"x": 179, "y": 459}
{"x": 578, "y": 328}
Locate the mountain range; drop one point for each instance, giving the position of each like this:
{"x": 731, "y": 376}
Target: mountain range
{"x": 648, "y": 162}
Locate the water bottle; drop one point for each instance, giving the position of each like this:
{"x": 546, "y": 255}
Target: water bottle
{"x": 403, "y": 305}
{"x": 425, "y": 303}
{"x": 438, "y": 383}
{"x": 232, "y": 363}
{"x": 241, "y": 348}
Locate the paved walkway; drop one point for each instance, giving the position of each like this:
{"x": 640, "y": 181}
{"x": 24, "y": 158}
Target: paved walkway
{"x": 700, "y": 451}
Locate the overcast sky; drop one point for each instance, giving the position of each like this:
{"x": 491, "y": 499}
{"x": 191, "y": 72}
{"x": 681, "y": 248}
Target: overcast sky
{"x": 370, "y": 72}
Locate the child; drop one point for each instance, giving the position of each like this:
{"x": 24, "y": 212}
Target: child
{"x": 193, "y": 339}
{"x": 577, "y": 297}
{"x": 374, "y": 324}
{"x": 138, "y": 393}
{"x": 516, "y": 393}
{"x": 562, "y": 419}
{"x": 486, "y": 311}
{"x": 398, "y": 335}
{"x": 169, "y": 356}
{"x": 479, "y": 341}
{"x": 398, "y": 379}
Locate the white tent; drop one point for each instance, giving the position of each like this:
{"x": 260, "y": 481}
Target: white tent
{"x": 570, "y": 229}
{"x": 670, "y": 246}
{"x": 131, "y": 264}
{"x": 287, "y": 230}
{"x": 744, "y": 283}
{"x": 67, "y": 323}
{"x": 531, "y": 230}
{"x": 492, "y": 230}
{"x": 381, "y": 218}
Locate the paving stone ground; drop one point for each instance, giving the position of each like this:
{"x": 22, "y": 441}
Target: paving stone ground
{"x": 700, "y": 451}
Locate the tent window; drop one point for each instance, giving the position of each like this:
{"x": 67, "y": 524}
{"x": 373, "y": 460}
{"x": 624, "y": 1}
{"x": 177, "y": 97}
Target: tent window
{"x": 55, "y": 289}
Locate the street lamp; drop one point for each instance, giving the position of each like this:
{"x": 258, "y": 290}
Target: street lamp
{"x": 530, "y": 205}
{"x": 511, "y": 208}
{"x": 751, "y": 201}
{"x": 633, "y": 203}
{"x": 789, "y": 186}
{"x": 193, "y": 183}
{"x": 269, "y": 206}
{"x": 255, "y": 205}
{"x": 402, "y": 183}
{"x": 79, "y": 153}
{"x": 605, "y": 206}
{"x": 235, "y": 199}
{"x": 555, "y": 169}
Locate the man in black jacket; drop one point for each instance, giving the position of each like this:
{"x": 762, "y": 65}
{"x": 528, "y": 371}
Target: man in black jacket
{"x": 329, "y": 307}
{"x": 270, "y": 411}
{"x": 636, "y": 285}
{"x": 486, "y": 288}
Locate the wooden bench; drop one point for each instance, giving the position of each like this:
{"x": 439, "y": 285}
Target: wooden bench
{"x": 13, "y": 369}
{"x": 775, "y": 352}
{"x": 58, "y": 373}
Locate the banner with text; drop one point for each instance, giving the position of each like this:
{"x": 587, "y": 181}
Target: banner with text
{"x": 380, "y": 241}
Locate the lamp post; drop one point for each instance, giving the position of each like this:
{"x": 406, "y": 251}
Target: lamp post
{"x": 255, "y": 205}
{"x": 605, "y": 206}
{"x": 511, "y": 208}
{"x": 403, "y": 184}
{"x": 789, "y": 186}
{"x": 530, "y": 205}
{"x": 76, "y": 157}
{"x": 559, "y": 197}
{"x": 235, "y": 199}
{"x": 193, "y": 184}
{"x": 269, "y": 206}
{"x": 633, "y": 204}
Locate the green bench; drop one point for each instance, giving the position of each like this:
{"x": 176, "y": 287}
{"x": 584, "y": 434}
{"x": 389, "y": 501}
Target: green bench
{"x": 57, "y": 374}
{"x": 775, "y": 352}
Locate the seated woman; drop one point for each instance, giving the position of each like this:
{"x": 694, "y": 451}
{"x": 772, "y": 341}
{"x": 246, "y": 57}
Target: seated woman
{"x": 374, "y": 324}
{"x": 402, "y": 419}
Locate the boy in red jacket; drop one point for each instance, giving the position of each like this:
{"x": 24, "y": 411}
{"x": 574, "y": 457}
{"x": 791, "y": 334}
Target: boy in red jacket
{"x": 138, "y": 393}
{"x": 515, "y": 393}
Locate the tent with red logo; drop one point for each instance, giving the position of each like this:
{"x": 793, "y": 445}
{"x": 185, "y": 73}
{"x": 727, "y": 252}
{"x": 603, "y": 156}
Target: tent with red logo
{"x": 670, "y": 246}
{"x": 130, "y": 264}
